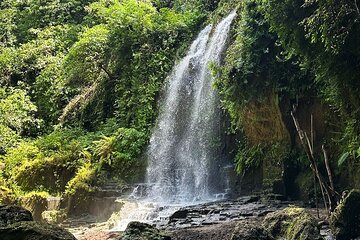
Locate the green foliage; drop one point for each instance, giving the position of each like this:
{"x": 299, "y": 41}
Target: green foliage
{"x": 37, "y": 14}
{"x": 7, "y": 196}
{"x": 86, "y": 59}
{"x": 25, "y": 151}
{"x": 47, "y": 163}
{"x": 248, "y": 158}
{"x": 82, "y": 180}
{"x": 8, "y": 138}
{"x": 105, "y": 148}
{"x": 120, "y": 64}
{"x": 73, "y": 72}
{"x": 324, "y": 36}
{"x": 49, "y": 173}
{"x": 17, "y": 111}
{"x": 255, "y": 66}
{"x": 120, "y": 153}
{"x": 343, "y": 158}
{"x": 8, "y": 13}
{"x": 35, "y": 194}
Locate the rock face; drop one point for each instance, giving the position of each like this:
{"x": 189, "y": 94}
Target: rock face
{"x": 143, "y": 231}
{"x": 12, "y": 214}
{"x": 345, "y": 221}
{"x": 292, "y": 224}
{"x": 16, "y": 223}
{"x": 34, "y": 231}
{"x": 36, "y": 204}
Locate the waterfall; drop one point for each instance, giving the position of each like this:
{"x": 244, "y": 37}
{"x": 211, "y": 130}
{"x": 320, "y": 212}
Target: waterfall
{"x": 184, "y": 150}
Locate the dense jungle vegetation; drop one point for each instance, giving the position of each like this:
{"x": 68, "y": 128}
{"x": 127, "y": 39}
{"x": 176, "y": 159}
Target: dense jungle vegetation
{"x": 80, "y": 81}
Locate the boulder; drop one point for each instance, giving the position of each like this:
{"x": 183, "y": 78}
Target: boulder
{"x": 292, "y": 224}
{"x": 11, "y": 214}
{"x": 179, "y": 214}
{"x": 16, "y": 223}
{"x": 246, "y": 231}
{"x": 34, "y": 231}
{"x": 54, "y": 216}
{"x": 345, "y": 220}
{"x": 143, "y": 231}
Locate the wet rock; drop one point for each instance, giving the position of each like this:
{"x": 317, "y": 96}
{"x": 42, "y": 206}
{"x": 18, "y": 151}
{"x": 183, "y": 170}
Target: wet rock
{"x": 143, "y": 231}
{"x": 292, "y": 224}
{"x": 221, "y": 211}
{"x": 180, "y": 214}
{"x": 34, "y": 231}
{"x": 345, "y": 221}
{"x": 249, "y": 199}
{"x": 12, "y": 214}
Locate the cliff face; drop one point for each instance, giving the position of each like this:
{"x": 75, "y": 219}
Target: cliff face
{"x": 272, "y": 68}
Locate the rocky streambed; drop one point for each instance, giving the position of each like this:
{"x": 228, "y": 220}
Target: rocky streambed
{"x": 245, "y": 218}
{"x": 241, "y": 218}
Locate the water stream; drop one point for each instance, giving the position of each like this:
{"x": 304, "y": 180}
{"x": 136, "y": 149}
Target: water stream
{"x": 184, "y": 155}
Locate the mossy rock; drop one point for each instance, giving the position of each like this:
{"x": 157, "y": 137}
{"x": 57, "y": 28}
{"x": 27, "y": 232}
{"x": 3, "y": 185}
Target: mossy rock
{"x": 143, "y": 231}
{"x": 36, "y": 203}
{"x": 34, "y": 231}
{"x": 292, "y": 224}
{"x": 248, "y": 231}
{"x": 51, "y": 174}
{"x": 54, "y": 216}
{"x": 345, "y": 220}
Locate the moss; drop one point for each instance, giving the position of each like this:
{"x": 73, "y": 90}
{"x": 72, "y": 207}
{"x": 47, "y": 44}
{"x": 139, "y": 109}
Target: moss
{"x": 50, "y": 173}
{"x": 79, "y": 189}
{"x": 82, "y": 180}
{"x": 303, "y": 227}
{"x": 345, "y": 220}
{"x": 54, "y": 216}
{"x": 143, "y": 231}
{"x": 292, "y": 223}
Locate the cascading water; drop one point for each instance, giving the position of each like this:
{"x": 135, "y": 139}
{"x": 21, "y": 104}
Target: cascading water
{"x": 185, "y": 144}
{"x": 184, "y": 151}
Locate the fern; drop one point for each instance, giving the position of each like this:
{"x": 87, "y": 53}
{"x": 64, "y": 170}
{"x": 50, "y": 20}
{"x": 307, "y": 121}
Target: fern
{"x": 343, "y": 158}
